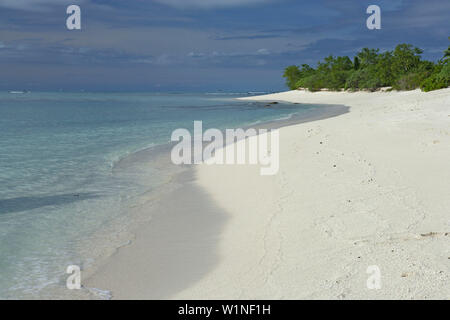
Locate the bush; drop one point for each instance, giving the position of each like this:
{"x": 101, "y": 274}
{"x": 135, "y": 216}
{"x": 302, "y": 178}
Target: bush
{"x": 313, "y": 83}
{"x": 437, "y": 81}
{"x": 402, "y": 69}
{"x": 336, "y": 80}
{"x": 292, "y": 75}
{"x": 363, "y": 79}
{"x": 411, "y": 81}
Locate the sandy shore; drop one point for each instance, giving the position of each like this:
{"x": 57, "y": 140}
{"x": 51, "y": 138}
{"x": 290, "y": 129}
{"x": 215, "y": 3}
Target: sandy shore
{"x": 369, "y": 187}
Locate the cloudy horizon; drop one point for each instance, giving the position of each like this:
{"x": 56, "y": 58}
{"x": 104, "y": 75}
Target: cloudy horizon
{"x": 195, "y": 45}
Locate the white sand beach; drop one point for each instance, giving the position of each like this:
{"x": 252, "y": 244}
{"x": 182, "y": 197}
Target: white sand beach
{"x": 369, "y": 187}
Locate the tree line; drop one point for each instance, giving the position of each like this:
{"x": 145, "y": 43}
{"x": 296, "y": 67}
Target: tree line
{"x": 401, "y": 69}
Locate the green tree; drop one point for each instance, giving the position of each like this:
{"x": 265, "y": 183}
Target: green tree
{"x": 368, "y": 57}
{"x": 402, "y": 68}
{"x": 306, "y": 70}
{"x": 356, "y": 63}
{"x": 292, "y": 75}
{"x": 437, "y": 80}
{"x": 383, "y": 70}
{"x": 447, "y": 52}
{"x": 440, "y": 76}
{"x": 405, "y": 58}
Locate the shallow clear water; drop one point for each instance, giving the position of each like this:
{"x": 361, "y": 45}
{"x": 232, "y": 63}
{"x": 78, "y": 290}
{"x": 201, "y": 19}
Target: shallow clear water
{"x": 59, "y": 178}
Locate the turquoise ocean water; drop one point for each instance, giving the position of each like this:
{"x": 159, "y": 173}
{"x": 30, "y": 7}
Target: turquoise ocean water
{"x": 64, "y": 173}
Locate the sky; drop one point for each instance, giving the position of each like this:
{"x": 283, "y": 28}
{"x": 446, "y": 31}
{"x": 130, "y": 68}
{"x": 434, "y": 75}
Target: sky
{"x": 198, "y": 45}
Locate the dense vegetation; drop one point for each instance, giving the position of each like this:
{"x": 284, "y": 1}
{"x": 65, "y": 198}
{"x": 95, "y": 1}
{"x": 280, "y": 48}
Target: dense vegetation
{"x": 401, "y": 69}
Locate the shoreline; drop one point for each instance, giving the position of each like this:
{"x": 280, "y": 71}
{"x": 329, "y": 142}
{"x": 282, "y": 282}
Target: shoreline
{"x": 149, "y": 241}
{"x": 163, "y": 256}
{"x": 349, "y": 194}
